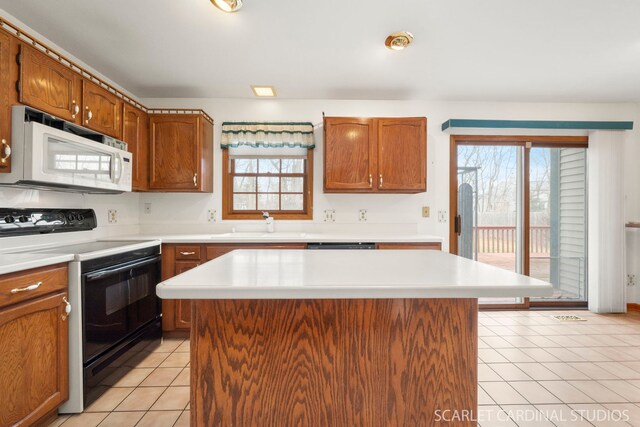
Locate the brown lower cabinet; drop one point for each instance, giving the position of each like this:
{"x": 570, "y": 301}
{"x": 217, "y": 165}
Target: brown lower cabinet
{"x": 34, "y": 345}
{"x": 178, "y": 258}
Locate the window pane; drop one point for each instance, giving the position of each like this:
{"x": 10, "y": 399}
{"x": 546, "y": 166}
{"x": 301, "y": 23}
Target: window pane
{"x": 292, "y": 202}
{"x": 244, "y": 184}
{"x": 268, "y": 165}
{"x": 268, "y": 184}
{"x": 292, "y": 165}
{"x": 268, "y": 202}
{"x": 246, "y": 165}
{"x": 292, "y": 185}
{"x": 244, "y": 202}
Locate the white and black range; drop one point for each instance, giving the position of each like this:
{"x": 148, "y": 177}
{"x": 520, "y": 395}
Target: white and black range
{"x": 111, "y": 287}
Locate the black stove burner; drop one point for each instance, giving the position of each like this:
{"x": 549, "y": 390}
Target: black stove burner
{"x": 21, "y": 222}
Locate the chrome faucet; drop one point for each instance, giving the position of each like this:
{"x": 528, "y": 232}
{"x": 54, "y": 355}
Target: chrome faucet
{"x": 269, "y": 221}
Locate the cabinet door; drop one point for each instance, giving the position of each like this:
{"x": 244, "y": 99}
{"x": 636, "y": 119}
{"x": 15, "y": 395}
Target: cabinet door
{"x": 5, "y": 102}
{"x": 183, "y": 306}
{"x": 101, "y": 110}
{"x": 136, "y": 135}
{"x": 174, "y": 153}
{"x": 402, "y": 155}
{"x": 34, "y": 359}
{"x": 48, "y": 85}
{"x": 349, "y": 154}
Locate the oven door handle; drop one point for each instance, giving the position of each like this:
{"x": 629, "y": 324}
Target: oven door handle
{"x": 118, "y": 269}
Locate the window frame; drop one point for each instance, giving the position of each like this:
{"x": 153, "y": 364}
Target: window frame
{"x": 227, "y": 194}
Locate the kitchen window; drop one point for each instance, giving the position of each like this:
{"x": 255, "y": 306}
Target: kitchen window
{"x": 267, "y": 167}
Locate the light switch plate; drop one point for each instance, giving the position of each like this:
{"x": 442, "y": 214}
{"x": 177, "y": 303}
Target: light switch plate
{"x": 147, "y": 208}
{"x": 426, "y": 212}
{"x": 211, "y": 215}
{"x": 362, "y": 215}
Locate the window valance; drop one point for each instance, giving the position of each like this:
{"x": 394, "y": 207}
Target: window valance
{"x": 267, "y": 135}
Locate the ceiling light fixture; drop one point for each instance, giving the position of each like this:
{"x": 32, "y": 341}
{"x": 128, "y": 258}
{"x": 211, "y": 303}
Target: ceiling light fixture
{"x": 263, "y": 91}
{"x": 228, "y": 5}
{"x": 399, "y": 40}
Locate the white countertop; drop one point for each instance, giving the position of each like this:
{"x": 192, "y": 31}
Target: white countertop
{"x": 10, "y": 263}
{"x": 282, "y": 237}
{"x": 300, "y": 274}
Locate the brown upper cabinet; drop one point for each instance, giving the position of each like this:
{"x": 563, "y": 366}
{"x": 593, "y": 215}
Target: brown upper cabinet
{"x": 181, "y": 153}
{"x": 375, "y": 155}
{"x": 48, "y": 85}
{"x": 5, "y": 102}
{"x": 101, "y": 110}
{"x": 136, "y": 135}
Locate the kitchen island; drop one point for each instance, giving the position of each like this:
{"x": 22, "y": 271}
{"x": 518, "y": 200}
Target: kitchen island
{"x": 297, "y": 337}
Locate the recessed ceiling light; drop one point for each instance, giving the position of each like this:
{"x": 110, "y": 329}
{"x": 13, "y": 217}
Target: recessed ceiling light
{"x": 263, "y": 90}
{"x": 228, "y": 5}
{"x": 399, "y": 40}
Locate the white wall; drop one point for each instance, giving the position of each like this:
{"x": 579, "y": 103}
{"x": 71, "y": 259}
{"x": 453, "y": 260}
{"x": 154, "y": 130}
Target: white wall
{"x": 382, "y": 209}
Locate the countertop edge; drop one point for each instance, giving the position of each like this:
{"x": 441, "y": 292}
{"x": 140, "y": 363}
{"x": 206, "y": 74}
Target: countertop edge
{"x": 42, "y": 261}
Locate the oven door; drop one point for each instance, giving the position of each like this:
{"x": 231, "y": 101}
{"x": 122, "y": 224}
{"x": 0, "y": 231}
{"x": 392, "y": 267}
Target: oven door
{"x": 117, "y": 301}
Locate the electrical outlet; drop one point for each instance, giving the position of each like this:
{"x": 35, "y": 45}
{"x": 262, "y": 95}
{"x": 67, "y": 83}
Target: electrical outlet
{"x": 112, "y": 216}
{"x": 211, "y": 215}
{"x": 362, "y": 215}
{"x": 442, "y": 216}
{"x": 631, "y": 279}
{"x": 147, "y": 208}
{"x": 329, "y": 215}
{"x": 425, "y": 212}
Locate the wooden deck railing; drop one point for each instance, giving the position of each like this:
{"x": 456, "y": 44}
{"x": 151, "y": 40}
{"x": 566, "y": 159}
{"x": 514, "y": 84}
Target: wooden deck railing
{"x": 502, "y": 239}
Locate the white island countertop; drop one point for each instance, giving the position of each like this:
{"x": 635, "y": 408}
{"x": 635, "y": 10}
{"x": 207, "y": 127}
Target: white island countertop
{"x": 334, "y": 274}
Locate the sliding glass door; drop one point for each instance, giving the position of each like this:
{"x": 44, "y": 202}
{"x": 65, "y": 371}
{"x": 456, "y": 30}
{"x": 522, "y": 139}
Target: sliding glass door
{"x": 520, "y": 204}
{"x": 490, "y": 188}
{"x": 558, "y": 212}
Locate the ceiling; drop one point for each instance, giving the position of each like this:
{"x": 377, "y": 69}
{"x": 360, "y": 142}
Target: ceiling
{"x": 464, "y": 50}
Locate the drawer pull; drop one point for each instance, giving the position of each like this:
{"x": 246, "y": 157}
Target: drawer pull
{"x": 26, "y": 288}
{"x": 5, "y": 151}
{"x": 67, "y": 309}
{"x": 187, "y": 253}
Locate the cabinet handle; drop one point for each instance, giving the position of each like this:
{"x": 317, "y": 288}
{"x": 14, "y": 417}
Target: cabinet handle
{"x": 381, "y": 181}
{"x": 75, "y": 109}
{"x": 26, "y": 288}
{"x": 187, "y": 253}
{"x": 6, "y": 151}
{"x": 195, "y": 179}
{"x": 370, "y": 181}
{"x": 67, "y": 309}
{"x": 89, "y": 115}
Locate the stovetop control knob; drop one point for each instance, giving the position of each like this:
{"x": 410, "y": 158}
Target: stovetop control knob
{"x": 9, "y": 219}
{"x": 71, "y": 217}
{"x": 23, "y": 219}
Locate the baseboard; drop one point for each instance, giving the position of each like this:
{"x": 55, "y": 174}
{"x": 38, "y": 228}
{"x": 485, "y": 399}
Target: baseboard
{"x": 633, "y": 307}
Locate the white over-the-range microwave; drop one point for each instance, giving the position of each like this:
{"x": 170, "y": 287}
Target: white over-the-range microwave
{"x": 50, "y": 153}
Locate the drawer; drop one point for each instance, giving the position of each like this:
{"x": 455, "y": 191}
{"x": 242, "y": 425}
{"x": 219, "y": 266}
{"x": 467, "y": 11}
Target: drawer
{"x": 188, "y": 252}
{"x": 44, "y": 280}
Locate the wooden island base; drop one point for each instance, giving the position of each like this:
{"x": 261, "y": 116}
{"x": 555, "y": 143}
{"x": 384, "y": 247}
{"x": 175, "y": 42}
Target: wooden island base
{"x": 333, "y": 362}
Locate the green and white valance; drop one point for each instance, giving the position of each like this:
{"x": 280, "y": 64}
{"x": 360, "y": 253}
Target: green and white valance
{"x": 267, "y": 135}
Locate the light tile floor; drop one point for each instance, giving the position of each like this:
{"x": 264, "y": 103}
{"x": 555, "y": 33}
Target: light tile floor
{"x": 533, "y": 370}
